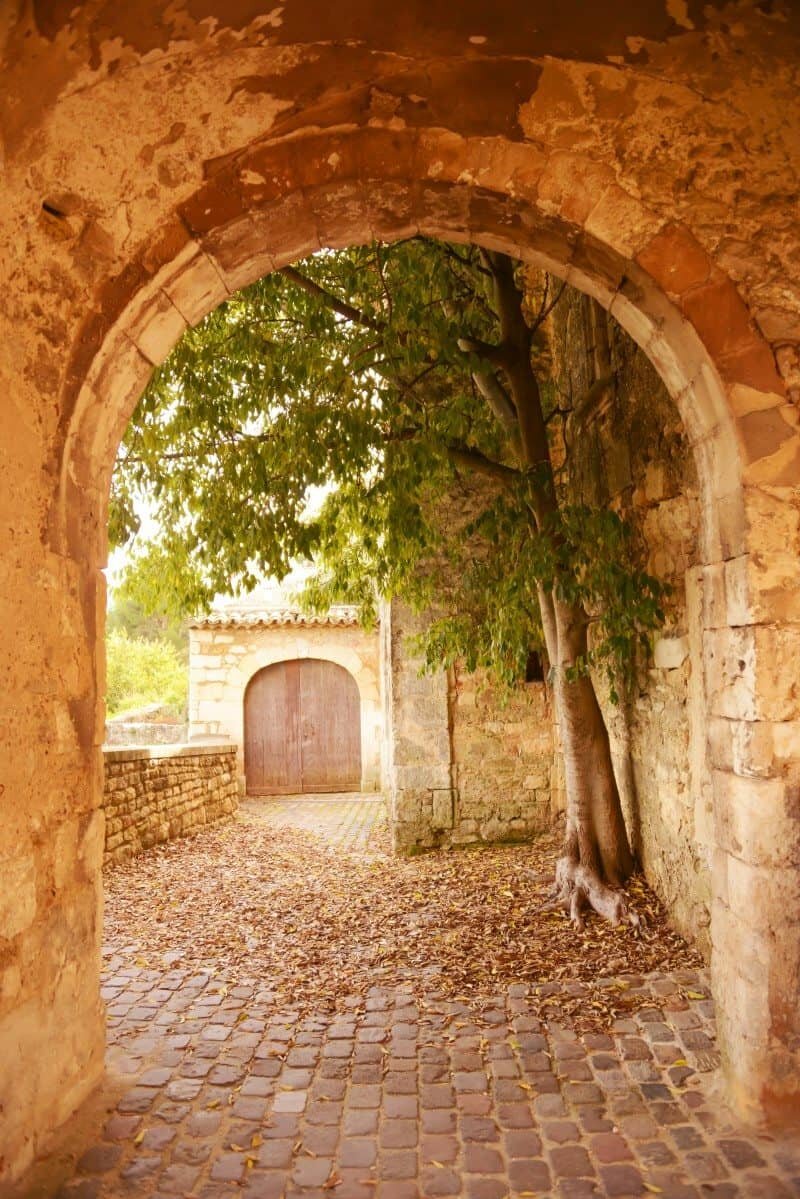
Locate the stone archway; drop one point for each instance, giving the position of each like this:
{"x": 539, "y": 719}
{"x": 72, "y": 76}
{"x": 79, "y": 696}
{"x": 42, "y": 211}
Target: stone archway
{"x": 537, "y": 142}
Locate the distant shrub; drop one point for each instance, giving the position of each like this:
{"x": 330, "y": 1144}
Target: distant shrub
{"x": 142, "y": 671}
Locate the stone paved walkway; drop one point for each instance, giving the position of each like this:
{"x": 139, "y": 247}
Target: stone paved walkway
{"x": 212, "y": 1092}
{"x": 347, "y": 821}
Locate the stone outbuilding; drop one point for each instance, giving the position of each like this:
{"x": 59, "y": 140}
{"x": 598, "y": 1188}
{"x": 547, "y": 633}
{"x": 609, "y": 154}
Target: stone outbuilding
{"x": 299, "y": 694}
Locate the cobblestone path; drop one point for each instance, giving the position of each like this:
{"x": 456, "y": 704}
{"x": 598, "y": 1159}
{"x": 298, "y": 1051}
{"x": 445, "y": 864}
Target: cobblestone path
{"x": 212, "y": 1091}
{"x": 350, "y": 822}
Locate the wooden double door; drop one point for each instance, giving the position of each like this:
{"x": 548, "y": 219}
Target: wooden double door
{"x": 302, "y": 729}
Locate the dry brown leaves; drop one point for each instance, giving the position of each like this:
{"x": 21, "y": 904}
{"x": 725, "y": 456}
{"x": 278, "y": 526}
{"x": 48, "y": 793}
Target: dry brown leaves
{"x": 315, "y": 924}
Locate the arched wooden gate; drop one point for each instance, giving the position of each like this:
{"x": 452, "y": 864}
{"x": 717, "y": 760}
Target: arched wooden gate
{"x": 302, "y": 729}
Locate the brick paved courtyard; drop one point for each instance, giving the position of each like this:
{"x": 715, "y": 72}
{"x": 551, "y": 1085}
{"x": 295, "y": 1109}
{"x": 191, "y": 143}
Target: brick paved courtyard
{"x": 214, "y": 1090}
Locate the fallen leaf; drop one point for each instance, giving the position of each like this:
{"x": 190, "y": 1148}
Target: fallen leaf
{"x": 445, "y": 917}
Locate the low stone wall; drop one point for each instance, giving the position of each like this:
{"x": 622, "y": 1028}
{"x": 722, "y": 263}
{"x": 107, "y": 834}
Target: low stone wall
{"x": 134, "y": 732}
{"x": 157, "y": 793}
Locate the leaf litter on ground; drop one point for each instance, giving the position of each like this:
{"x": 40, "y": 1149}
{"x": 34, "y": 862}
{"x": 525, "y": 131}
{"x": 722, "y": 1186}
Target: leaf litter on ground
{"x": 316, "y": 924}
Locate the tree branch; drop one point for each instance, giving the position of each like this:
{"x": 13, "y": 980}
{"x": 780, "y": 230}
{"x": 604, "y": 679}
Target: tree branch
{"x": 499, "y": 401}
{"x": 345, "y": 310}
{"x": 497, "y": 355}
{"x": 595, "y": 393}
{"x": 474, "y": 460}
{"x": 522, "y": 380}
{"x": 546, "y": 308}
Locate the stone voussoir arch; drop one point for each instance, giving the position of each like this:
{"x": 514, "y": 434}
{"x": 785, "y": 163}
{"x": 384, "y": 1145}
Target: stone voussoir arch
{"x": 259, "y": 659}
{"x": 276, "y": 202}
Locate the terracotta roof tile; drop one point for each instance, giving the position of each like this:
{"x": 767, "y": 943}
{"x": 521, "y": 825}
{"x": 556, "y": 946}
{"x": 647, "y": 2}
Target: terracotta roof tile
{"x": 275, "y": 617}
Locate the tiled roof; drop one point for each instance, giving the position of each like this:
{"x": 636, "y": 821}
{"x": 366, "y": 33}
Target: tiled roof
{"x": 274, "y": 617}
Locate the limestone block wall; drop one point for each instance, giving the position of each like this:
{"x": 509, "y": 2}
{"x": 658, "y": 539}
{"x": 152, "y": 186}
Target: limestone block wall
{"x": 157, "y": 793}
{"x": 224, "y": 657}
{"x": 505, "y": 769}
{"x": 420, "y": 769}
{"x": 462, "y": 766}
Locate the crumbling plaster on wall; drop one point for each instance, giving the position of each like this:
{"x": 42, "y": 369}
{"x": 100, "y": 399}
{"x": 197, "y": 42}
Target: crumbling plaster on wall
{"x": 620, "y": 125}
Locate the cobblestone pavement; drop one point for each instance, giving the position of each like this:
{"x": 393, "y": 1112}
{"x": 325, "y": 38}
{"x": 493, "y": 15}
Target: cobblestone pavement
{"x": 211, "y": 1091}
{"x": 347, "y": 821}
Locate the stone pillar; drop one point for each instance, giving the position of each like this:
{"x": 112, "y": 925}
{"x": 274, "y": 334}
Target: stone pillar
{"x": 752, "y": 649}
{"x": 419, "y": 772}
{"x": 51, "y": 834}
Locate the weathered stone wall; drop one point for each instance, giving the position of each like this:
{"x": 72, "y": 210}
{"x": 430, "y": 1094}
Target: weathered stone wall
{"x": 627, "y": 449}
{"x": 145, "y": 732}
{"x": 156, "y": 794}
{"x": 463, "y": 765}
{"x": 224, "y": 658}
{"x": 504, "y": 766}
{"x": 420, "y": 760}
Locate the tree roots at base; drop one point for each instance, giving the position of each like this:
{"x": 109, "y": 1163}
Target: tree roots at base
{"x": 580, "y": 888}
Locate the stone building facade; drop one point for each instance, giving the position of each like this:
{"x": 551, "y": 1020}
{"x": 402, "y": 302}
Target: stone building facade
{"x": 646, "y": 152}
{"x": 228, "y": 649}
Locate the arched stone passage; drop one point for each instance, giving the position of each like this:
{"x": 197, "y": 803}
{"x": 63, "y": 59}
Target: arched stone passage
{"x": 243, "y": 139}
{"x": 706, "y": 388}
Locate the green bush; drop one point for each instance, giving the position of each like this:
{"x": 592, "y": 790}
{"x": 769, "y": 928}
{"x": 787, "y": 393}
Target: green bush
{"x": 142, "y": 672}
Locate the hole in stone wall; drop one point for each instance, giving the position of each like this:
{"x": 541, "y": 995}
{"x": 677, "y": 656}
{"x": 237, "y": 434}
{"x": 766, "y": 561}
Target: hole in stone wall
{"x": 534, "y": 670}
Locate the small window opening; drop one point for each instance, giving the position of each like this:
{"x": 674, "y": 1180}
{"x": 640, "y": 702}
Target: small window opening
{"x": 534, "y": 671}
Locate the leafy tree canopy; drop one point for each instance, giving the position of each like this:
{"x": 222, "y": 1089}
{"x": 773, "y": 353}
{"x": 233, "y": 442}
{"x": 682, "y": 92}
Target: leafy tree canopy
{"x": 370, "y": 377}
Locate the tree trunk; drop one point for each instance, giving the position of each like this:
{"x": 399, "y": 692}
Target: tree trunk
{"x": 597, "y": 855}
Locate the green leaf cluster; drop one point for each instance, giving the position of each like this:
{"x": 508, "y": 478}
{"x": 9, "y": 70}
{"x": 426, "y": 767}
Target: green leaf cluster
{"x": 141, "y": 671}
{"x": 331, "y": 412}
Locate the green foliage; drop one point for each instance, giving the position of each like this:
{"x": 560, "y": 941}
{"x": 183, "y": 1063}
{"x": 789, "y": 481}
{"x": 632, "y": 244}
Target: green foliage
{"x": 142, "y": 671}
{"x": 586, "y": 556}
{"x": 348, "y": 374}
{"x": 127, "y": 614}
